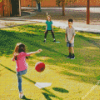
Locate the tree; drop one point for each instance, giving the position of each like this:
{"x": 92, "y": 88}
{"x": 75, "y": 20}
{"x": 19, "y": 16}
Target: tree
{"x": 63, "y": 3}
{"x": 39, "y": 4}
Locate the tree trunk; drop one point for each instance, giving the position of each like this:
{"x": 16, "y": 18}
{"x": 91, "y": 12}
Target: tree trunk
{"x": 32, "y": 3}
{"x": 63, "y": 7}
{"x": 19, "y": 7}
{"x": 39, "y": 6}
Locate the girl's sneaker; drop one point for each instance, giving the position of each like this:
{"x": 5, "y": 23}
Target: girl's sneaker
{"x": 54, "y": 41}
{"x": 44, "y": 41}
{"x": 21, "y": 96}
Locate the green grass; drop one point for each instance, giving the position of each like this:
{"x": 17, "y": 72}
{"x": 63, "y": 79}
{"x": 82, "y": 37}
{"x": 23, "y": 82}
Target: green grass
{"x": 85, "y": 67}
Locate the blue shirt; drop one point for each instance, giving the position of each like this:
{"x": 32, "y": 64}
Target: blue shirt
{"x": 49, "y": 25}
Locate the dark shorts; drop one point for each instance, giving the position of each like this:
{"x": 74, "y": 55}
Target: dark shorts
{"x": 70, "y": 44}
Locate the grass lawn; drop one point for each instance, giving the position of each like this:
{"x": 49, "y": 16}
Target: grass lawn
{"x": 71, "y": 79}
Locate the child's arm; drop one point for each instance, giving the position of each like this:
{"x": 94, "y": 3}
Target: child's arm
{"x": 65, "y": 37}
{"x": 13, "y": 58}
{"x": 35, "y": 52}
{"x": 73, "y": 36}
{"x": 46, "y": 28}
{"x": 52, "y": 28}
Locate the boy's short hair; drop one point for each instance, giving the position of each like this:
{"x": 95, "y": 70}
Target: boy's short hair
{"x": 70, "y": 20}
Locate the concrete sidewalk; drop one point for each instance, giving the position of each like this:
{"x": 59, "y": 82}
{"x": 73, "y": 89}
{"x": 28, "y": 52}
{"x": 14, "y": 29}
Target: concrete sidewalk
{"x": 92, "y": 9}
{"x": 79, "y": 26}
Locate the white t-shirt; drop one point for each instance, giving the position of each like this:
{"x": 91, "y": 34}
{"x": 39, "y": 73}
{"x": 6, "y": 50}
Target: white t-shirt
{"x": 70, "y": 32}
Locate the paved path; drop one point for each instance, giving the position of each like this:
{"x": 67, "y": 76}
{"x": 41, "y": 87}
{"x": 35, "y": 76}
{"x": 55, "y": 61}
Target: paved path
{"x": 92, "y": 9}
{"x": 79, "y": 26}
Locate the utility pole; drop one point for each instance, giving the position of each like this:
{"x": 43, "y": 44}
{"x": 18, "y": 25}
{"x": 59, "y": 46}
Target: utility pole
{"x": 39, "y": 6}
{"x": 19, "y": 7}
{"x": 63, "y": 7}
{"x": 32, "y": 4}
{"x": 88, "y": 11}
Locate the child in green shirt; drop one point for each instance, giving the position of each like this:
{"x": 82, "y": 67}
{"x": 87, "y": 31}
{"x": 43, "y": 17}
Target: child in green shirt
{"x": 49, "y": 28}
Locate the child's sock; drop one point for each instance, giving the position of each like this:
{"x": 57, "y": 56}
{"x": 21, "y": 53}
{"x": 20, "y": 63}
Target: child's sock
{"x": 44, "y": 40}
{"x": 54, "y": 39}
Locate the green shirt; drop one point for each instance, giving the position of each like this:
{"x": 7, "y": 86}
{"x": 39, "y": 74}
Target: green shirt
{"x": 49, "y": 25}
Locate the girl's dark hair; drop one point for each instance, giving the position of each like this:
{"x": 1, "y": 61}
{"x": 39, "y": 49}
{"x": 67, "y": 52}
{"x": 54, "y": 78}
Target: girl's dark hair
{"x": 20, "y": 47}
{"x": 70, "y": 20}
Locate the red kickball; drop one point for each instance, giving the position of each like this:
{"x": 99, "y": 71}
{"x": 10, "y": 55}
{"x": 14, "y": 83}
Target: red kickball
{"x": 40, "y": 66}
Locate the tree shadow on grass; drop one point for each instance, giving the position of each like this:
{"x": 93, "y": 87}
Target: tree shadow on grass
{"x": 9, "y": 40}
{"x": 87, "y": 79}
{"x": 60, "y": 90}
{"x": 46, "y": 92}
{"x": 89, "y": 40}
{"x": 25, "y": 98}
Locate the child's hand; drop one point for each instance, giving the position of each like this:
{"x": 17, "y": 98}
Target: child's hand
{"x": 70, "y": 41}
{"x": 38, "y": 51}
{"x": 12, "y": 59}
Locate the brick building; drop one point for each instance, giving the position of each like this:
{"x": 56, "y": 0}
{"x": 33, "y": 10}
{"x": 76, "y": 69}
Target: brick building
{"x": 13, "y": 7}
{"x": 10, "y": 7}
{"x": 52, "y": 3}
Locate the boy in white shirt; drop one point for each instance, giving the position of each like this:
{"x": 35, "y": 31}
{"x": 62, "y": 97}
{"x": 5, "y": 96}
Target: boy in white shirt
{"x": 69, "y": 38}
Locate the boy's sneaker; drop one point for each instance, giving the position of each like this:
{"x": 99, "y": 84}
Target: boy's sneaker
{"x": 69, "y": 56}
{"x": 44, "y": 41}
{"x": 72, "y": 56}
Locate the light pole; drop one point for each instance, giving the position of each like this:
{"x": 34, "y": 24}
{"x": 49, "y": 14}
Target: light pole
{"x": 88, "y": 11}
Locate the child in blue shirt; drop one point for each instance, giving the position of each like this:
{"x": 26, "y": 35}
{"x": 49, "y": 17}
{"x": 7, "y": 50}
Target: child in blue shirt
{"x": 49, "y": 28}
